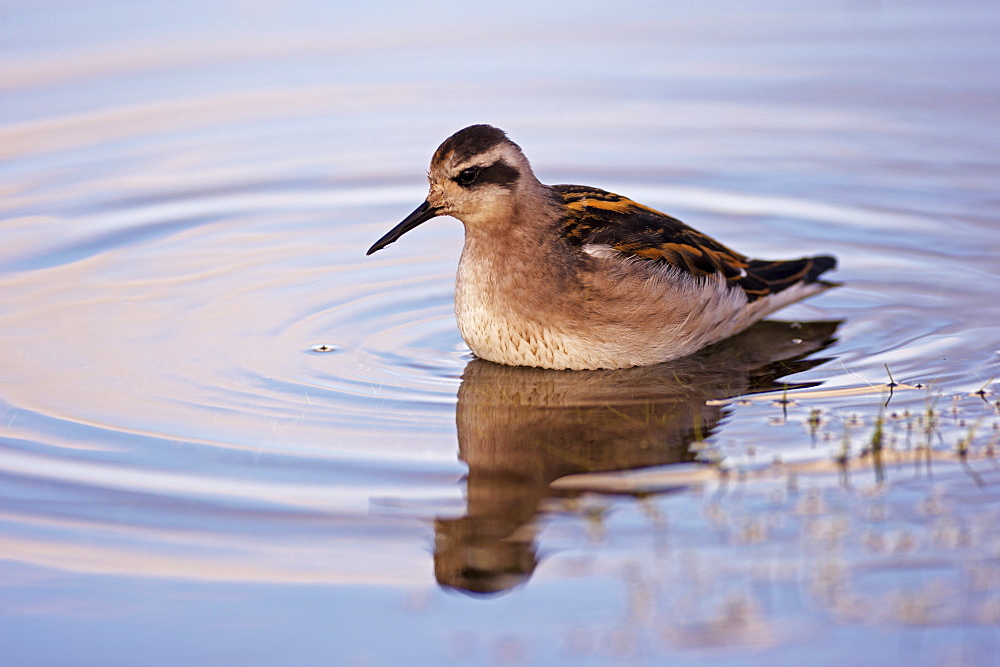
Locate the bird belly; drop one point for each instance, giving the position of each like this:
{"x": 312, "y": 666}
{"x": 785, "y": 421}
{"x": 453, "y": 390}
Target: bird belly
{"x": 511, "y": 325}
{"x": 617, "y": 320}
{"x": 522, "y": 342}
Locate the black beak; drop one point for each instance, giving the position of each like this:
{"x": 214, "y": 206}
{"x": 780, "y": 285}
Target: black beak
{"x": 423, "y": 213}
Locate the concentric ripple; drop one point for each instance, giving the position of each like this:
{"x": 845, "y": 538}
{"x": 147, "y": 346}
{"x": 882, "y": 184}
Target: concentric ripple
{"x": 198, "y": 315}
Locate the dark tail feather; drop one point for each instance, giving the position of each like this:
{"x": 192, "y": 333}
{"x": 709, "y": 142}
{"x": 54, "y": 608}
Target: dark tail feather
{"x": 765, "y": 277}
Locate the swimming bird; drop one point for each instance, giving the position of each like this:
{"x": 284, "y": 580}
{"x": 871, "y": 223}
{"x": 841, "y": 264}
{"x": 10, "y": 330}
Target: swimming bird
{"x": 575, "y": 277}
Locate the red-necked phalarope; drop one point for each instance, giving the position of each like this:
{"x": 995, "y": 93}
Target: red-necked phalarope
{"x": 574, "y": 277}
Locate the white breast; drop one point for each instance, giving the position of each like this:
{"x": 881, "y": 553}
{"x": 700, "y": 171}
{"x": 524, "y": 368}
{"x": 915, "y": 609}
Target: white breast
{"x": 494, "y": 331}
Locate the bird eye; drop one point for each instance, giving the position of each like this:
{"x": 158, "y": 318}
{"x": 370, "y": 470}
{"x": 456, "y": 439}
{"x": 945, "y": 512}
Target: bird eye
{"x": 467, "y": 176}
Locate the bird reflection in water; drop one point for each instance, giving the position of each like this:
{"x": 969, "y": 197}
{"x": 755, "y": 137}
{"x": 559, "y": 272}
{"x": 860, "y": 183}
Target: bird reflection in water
{"x": 519, "y": 429}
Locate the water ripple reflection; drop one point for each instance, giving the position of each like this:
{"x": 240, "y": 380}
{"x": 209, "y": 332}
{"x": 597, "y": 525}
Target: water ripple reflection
{"x": 193, "y": 315}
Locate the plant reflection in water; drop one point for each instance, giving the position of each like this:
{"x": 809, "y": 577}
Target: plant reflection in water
{"x": 519, "y": 429}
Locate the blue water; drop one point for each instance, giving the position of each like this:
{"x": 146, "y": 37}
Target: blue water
{"x": 226, "y": 435}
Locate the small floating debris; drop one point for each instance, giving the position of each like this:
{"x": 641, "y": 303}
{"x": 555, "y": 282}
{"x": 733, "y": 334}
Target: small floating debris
{"x": 323, "y": 347}
{"x": 983, "y": 392}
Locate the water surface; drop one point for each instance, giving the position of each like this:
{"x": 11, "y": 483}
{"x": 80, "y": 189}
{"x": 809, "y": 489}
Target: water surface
{"x": 220, "y": 420}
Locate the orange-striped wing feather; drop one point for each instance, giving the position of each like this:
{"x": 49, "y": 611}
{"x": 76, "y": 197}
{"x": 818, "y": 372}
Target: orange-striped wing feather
{"x": 595, "y": 216}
